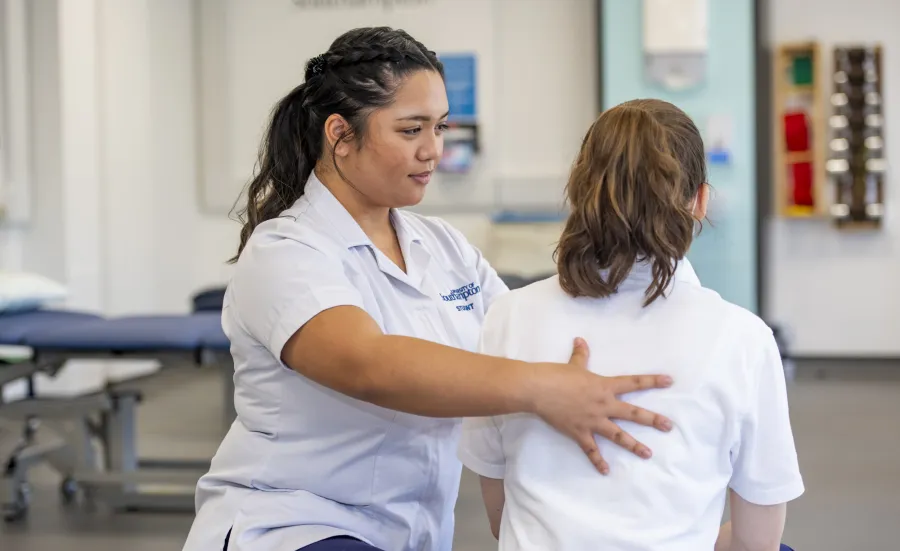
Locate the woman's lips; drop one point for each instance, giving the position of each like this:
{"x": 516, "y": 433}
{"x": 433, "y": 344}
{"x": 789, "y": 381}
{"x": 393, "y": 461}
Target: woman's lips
{"x": 422, "y": 177}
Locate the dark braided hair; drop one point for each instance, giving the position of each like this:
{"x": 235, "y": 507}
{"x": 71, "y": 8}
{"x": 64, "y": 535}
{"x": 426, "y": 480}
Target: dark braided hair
{"x": 359, "y": 73}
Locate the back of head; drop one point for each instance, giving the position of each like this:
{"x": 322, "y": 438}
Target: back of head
{"x": 361, "y": 72}
{"x": 631, "y": 190}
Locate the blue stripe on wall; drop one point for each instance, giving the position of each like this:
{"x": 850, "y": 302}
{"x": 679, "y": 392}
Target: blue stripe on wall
{"x": 725, "y": 253}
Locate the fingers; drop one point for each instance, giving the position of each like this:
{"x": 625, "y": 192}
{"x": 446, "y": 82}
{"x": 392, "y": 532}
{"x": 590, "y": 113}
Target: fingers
{"x": 633, "y": 383}
{"x": 615, "y": 434}
{"x": 580, "y": 354}
{"x": 589, "y": 447}
{"x": 629, "y": 412}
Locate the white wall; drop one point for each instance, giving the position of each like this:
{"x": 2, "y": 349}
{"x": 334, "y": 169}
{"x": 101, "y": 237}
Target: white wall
{"x": 191, "y": 252}
{"x": 15, "y": 131}
{"x": 836, "y": 292}
{"x": 43, "y": 241}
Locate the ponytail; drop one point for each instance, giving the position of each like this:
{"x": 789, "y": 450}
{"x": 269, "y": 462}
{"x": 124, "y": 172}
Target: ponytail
{"x": 630, "y": 190}
{"x": 286, "y": 160}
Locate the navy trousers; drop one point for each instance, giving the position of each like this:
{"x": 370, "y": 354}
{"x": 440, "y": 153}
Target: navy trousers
{"x": 345, "y": 543}
{"x": 340, "y": 543}
{"x": 350, "y": 544}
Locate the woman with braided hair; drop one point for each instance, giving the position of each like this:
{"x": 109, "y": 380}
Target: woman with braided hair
{"x": 354, "y": 325}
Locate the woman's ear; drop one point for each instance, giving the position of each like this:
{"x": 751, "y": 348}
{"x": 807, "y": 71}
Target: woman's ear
{"x": 336, "y": 128}
{"x": 701, "y": 202}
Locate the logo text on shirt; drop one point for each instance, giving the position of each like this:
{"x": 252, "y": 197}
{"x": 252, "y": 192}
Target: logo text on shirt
{"x": 463, "y": 293}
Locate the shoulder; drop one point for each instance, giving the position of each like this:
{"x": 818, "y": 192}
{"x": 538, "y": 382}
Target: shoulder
{"x": 742, "y": 342}
{"x": 291, "y": 235}
{"x": 739, "y": 320}
{"x": 711, "y": 306}
{"x": 287, "y": 252}
{"x": 534, "y": 298}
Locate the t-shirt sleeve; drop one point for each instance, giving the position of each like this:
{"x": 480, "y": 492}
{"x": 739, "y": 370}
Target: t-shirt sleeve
{"x": 481, "y": 444}
{"x": 480, "y": 447}
{"x": 281, "y": 283}
{"x": 491, "y": 284}
{"x": 765, "y": 466}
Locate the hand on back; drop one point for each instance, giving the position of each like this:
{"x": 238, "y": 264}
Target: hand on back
{"x": 581, "y": 404}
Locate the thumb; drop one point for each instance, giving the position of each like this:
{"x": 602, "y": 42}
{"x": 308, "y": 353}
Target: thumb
{"x": 580, "y": 354}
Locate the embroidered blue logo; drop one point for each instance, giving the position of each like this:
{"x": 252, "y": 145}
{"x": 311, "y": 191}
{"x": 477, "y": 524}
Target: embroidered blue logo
{"x": 463, "y": 293}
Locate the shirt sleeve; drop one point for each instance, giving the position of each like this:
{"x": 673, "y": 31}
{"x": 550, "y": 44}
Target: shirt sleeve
{"x": 281, "y": 283}
{"x": 481, "y": 444}
{"x": 765, "y": 466}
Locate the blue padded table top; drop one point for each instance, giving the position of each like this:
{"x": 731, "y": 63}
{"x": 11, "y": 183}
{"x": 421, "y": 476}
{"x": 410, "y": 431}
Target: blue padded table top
{"x": 130, "y": 334}
{"x": 215, "y": 339}
{"x": 15, "y": 328}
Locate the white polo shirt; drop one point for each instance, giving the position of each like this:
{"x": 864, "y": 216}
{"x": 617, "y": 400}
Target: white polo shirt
{"x": 728, "y": 405}
{"x": 303, "y": 463}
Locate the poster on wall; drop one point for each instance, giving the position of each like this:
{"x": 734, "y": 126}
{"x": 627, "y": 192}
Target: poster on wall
{"x": 460, "y": 80}
{"x": 675, "y": 41}
{"x": 461, "y": 139}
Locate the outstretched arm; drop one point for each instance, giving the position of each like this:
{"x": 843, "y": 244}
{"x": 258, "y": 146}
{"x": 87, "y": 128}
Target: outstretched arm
{"x": 344, "y": 349}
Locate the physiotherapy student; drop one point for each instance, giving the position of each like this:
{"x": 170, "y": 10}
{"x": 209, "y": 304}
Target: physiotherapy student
{"x": 637, "y": 190}
{"x": 353, "y": 326}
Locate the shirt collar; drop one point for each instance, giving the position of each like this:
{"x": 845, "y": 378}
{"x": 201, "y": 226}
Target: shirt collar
{"x": 641, "y": 275}
{"x": 322, "y": 200}
{"x": 407, "y": 233}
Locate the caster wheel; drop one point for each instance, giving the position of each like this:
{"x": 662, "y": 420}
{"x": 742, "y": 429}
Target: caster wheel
{"x": 16, "y": 511}
{"x": 68, "y": 490}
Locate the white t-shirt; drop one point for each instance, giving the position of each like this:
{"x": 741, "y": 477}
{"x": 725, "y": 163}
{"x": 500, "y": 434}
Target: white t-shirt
{"x": 728, "y": 405}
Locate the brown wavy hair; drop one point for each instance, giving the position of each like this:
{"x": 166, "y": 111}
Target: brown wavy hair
{"x": 630, "y": 191}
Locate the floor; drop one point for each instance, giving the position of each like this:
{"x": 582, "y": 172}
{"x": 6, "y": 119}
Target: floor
{"x": 845, "y": 421}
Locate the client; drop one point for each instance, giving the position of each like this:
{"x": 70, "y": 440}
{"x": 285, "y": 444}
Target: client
{"x": 637, "y": 191}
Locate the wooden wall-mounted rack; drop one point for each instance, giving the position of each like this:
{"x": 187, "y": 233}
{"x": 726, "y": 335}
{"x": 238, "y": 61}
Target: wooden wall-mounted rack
{"x": 800, "y": 134}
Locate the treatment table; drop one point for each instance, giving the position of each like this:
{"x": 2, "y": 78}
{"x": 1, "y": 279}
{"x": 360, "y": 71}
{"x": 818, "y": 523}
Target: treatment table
{"x": 104, "y": 420}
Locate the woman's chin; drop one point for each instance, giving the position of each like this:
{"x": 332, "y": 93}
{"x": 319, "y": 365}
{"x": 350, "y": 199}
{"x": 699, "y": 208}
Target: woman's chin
{"x": 410, "y": 199}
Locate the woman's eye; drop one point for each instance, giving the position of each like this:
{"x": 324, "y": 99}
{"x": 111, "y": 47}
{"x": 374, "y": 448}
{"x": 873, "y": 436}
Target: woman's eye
{"x": 412, "y": 131}
{"x": 443, "y": 127}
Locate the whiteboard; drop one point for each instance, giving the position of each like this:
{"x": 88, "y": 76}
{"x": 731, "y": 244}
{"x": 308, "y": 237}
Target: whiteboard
{"x": 15, "y": 113}
{"x": 3, "y": 134}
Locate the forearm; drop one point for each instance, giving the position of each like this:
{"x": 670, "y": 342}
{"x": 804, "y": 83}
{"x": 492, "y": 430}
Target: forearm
{"x": 755, "y": 527}
{"x": 425, "y": 378}
{"x": 494, "y": 495}
{"x": 345, "y": 350}
{"x": 727, "y": 542}
{"x": 723, "y": 542}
